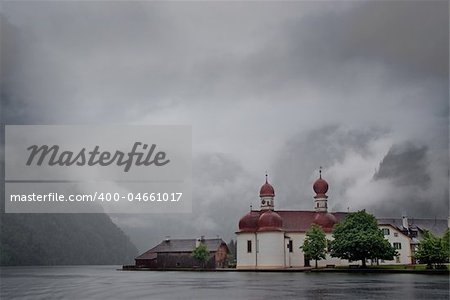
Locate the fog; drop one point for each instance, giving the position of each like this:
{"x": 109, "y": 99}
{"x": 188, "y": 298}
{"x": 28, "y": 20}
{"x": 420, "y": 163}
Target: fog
{"x": 359, "y": 88}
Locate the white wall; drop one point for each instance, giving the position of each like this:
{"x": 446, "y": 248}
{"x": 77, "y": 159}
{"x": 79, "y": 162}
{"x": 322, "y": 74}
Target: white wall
{"x": 270, "y": 250}
{"x": 245, "y": 260}
{"x": 297, "y": 258}
{"x": 405, "y": 251}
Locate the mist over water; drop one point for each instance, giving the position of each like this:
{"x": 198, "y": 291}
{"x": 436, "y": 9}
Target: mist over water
{"x": 357, "y": 87}
{"x": 104, "y": 282}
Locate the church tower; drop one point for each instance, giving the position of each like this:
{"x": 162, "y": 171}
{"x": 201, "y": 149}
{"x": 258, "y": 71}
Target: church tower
{"x": 320, "y": 187}
{"x": 267, "y": 195}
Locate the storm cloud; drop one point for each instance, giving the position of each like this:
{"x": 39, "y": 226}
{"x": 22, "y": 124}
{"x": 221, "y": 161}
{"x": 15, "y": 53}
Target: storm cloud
{"x": 359, "y": 88}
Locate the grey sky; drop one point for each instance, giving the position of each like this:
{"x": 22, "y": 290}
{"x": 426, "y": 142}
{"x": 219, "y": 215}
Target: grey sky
{"x": 279, "y": 86}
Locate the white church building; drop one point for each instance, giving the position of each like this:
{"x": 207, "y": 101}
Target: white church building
{"x": 271, "y": 239}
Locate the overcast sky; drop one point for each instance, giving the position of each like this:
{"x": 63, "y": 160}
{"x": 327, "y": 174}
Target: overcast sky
{"x": 359, "y": 88}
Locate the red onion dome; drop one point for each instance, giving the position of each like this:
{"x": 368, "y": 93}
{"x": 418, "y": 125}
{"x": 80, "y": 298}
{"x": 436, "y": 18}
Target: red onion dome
{"x": 270, "y": 221}
{"x": 267, "y": 190}
{"x": 320, "y": 186}
{"x": 325, "y": 220}
{"x": 249, "y": 222}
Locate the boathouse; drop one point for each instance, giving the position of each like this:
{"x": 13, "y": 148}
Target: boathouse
{"x": 177, "y": 253}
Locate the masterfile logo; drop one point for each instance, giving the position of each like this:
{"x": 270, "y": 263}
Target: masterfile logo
{"x": 53, "y": 156}
{"x": 121, "y": 169}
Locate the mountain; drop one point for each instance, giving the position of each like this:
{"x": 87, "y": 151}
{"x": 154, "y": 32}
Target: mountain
{"x": 62, "y": 239}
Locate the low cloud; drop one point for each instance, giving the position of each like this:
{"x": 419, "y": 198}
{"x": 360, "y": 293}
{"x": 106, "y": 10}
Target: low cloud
{"x": 359, "y": 88}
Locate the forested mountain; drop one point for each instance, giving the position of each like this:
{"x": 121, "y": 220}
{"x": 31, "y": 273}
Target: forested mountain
{"x": 62, "y": 239}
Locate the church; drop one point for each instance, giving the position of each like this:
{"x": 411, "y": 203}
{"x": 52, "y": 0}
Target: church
{"x": 271, "y": 239}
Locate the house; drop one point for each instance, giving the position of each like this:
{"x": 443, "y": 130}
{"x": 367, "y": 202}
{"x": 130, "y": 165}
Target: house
{"x": 177, "y": 253}
{"x": 271, "y": 239}
{"x": 410, "y": 230}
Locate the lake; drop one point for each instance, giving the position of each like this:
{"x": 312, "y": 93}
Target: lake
{"x": 104, "y": 282}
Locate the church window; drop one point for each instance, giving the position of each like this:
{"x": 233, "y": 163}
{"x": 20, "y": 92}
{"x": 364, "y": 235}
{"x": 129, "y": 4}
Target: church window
{"x": 289, "y": 245}
{"x": 249, "y": 246}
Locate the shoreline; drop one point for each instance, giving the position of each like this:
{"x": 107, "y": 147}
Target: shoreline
{"x": 392, "y": 271}
{"x": 299, "y": 270}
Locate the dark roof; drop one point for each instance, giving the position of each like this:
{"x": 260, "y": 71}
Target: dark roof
{"x": 147, "y": 255}
{"x": 436, "y": 226}
{"x": 180, "y": 245}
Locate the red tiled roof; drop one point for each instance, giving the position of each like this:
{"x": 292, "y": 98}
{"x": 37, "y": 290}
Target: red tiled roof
{"x": 249, "y": 222}
{"x": 270, "y": 221}
{"x": 320, "y": 186}
{"x": 301, "y": 220}
{"x": 266, "y": 190}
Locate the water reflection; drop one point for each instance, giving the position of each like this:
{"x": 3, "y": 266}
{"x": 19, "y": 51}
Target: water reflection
{"x": 104, "y": 282}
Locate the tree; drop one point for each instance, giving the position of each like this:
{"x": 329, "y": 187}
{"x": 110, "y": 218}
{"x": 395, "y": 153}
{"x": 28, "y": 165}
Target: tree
{"x": 315, "y": 244}
{"x": 446, "y": 243}
{"x": 201, "y": 253}
{"x": 358, "y": 237}
{"x": 433, "y": 250}
{"x": 232, "y": 254}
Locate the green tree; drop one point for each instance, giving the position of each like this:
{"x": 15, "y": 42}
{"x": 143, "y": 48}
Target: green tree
{"x": 232, "y": 253}
{"x": 433, "y": 250}
{"x": 446, "y": 243}
{"x": 201, "y": 253}
{"x": 357, "y": 237}
{"x": 315, "y": 244}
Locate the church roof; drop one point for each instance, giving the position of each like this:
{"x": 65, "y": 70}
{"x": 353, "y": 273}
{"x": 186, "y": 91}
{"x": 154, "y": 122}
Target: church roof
{"x": 267, "y": 189}
{"x": 270, "y": 221}
{"x": 180, "y": 245}
{"x": 301, "y": 220}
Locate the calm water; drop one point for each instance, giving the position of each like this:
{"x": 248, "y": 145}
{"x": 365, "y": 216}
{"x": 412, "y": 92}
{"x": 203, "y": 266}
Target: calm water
{"x": 104, "y": 282}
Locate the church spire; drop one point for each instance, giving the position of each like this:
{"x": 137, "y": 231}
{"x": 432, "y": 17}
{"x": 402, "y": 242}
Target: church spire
{"x": 320, "y": 187}
{"x": 267, "y": 194}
